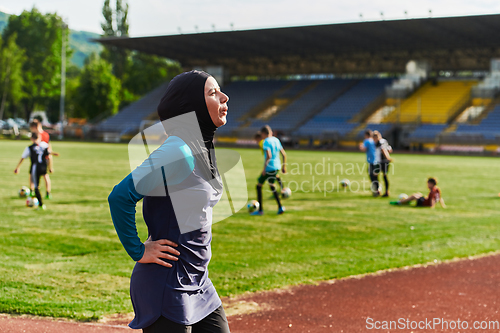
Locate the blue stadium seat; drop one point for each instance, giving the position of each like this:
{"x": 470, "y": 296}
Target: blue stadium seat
{"x": 295, "y": 113}
{"x": 382, "y": 128}
{"x": 427, "y": 131}
{"x": 245, "y": 95}
{"x": 489, "y": 126}
{"x": 335, "y": 117}
{"x": 129, "y": 119}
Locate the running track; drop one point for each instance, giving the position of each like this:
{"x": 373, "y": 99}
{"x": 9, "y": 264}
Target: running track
{"x": 466, "y": 290}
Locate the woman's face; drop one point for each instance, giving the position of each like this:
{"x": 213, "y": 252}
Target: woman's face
{"x": 216, "y": 102}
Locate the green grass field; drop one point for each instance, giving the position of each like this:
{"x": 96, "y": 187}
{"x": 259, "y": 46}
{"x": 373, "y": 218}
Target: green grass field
{"x": 67, "y": 261}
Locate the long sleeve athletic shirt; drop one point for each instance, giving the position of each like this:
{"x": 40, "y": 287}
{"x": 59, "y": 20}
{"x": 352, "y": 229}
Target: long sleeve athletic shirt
{"x": 173, "y": 194}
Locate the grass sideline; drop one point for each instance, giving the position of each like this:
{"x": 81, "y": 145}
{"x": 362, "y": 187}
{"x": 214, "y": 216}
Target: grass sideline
{"x": 67, "y": 261}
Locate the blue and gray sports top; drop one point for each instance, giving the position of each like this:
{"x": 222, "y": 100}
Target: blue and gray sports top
{"x": 371, "y": 151}
{"x": 273, "y": 146}
{"x": 184, "y": 292}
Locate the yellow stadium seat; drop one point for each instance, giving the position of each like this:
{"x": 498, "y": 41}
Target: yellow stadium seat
{"x": 433, "y": 104}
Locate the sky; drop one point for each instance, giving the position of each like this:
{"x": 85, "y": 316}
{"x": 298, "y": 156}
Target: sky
{"x": 164, "y": 17}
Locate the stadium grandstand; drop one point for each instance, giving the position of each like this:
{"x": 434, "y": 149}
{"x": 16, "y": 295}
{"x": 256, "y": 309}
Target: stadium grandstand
{"x": 424, "y": 83}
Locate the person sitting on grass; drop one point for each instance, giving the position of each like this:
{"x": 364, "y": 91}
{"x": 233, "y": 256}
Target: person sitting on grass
{"x": 429, "y": 201}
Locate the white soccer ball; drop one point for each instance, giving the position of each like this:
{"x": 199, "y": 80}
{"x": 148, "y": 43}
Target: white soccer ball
{"x": 253, "y": 206}
{"x": 345, "y": 183}
{"x": 286, "y": 192}
{"x": 31, "y": 202}
{"x": 24, "y": 192}
{"x": 403, "y": 196}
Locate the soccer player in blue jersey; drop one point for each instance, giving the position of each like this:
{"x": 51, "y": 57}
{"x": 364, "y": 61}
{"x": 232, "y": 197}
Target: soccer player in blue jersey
{"x": 272, "y": 164}
{"x": 369, "y": 146}
{"x": 259, "y": 139}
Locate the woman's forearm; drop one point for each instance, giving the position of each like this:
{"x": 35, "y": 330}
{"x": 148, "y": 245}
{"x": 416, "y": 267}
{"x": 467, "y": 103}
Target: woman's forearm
{"x": 122, "y": 204}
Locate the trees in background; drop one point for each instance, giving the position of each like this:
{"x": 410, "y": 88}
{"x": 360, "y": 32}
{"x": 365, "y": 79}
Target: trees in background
{"x": 106, "y": 83}
{"x": 147, "y": 72}
{"x": 12, "y": 59}
{"x": 40, "y": 36}
{"x": 138, "y": 72}
{"x": 98, "y": 91}
{"x": 115, "y": 25}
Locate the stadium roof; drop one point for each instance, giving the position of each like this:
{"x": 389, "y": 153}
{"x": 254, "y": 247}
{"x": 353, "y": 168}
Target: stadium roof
{"x": 452, "y": 43}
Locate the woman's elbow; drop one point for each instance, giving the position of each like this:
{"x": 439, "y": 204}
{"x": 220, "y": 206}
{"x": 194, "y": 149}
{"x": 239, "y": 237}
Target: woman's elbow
{"x": 113, "y": 196}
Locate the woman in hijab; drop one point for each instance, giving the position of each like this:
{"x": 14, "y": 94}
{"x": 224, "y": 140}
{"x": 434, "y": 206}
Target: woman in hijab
{"x": 179, "y": 184}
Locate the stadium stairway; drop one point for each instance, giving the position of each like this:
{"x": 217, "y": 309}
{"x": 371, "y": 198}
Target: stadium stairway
{"x": 307, "y": 103}
{"x": 450, "y": 129}
{"x": 343, "y": 115}
{"x": 248, "y": 98}
{"x": 333, "y": 97}
{"x": 275, "y": 102}
{"x": 473, "y": 113}
{"x": 489, "y": 105}
{"x": 277, "y": 106}
{"x": 456, "y": 132}
{"x": 433, "y": 103}
{"x": 378, "y": 116}
{"x": 487, "y": 129}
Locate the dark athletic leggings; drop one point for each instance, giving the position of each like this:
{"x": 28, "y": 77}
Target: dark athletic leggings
{"x": 215, "y": 322}
{"x": 36, "y": 173}
{"x": 373, "y": 171}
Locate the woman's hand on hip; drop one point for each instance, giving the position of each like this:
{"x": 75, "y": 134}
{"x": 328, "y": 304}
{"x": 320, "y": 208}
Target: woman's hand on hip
{"x": 155, "y": 251}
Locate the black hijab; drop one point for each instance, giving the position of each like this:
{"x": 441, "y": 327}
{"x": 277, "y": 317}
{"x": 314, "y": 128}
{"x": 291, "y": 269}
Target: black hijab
{"x": 186, "y": 93}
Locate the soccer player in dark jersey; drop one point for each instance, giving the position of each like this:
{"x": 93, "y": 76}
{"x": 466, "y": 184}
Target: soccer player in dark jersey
{"x": 36, "y": 127}
{"x": 429, "y": 201}
{"x": 38, "y": 153}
